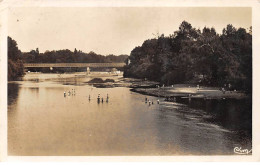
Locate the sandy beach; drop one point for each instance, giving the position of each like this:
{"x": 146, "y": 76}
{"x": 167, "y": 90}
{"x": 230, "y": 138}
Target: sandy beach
{"x": 184, "y": 90}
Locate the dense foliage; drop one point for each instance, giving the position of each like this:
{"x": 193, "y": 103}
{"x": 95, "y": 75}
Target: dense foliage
{"x": 192, "y": 55}
{"x": 67, "y": 56}
{"x": 15, "y": 64}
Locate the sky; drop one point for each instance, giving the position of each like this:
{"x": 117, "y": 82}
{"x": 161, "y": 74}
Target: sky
{"x": 108, "y": 30}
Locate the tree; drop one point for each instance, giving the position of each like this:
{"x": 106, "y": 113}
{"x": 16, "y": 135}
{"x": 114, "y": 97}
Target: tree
{"x": 75, "y": 51}
{"x": 15, "y": 64}
{"x": 181, "y": 57}
{"x": 13, "y": 52}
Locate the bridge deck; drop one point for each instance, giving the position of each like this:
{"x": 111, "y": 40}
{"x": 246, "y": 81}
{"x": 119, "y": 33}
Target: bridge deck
{"x": 95, "y": 65}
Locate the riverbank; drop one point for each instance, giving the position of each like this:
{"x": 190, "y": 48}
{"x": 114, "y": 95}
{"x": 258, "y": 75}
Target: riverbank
{"x": 140, "y": 86}
{"x": 38, "y": 76}
{"x": 188, "y": 91}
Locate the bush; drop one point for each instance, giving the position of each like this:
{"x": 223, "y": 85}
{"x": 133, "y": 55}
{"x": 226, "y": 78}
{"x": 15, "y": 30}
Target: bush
{"x": 96, "y": 80}
{"x": 109, "y": 80}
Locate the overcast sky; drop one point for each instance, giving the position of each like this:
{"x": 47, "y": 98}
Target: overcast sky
{"x": 110, "y": 30}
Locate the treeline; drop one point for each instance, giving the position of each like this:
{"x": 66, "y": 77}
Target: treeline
{"x": 15, "y": 63}
{"x": 16, "y": 58}
{"x": 191, "y": 55}
{"x": 67, "y": 56}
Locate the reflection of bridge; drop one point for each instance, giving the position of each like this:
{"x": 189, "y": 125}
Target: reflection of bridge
{"x": 76, "y": 65}
{"x": 64, "y": 65}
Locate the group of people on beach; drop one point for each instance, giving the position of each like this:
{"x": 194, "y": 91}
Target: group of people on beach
{"x": 170, "y": 99}
{"x": 72, "y": 93}
{"x": 227, "y": 87}
{"x": 151, "y": 101}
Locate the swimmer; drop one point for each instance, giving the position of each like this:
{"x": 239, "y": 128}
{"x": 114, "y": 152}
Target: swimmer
{"x": 98, "y": 99}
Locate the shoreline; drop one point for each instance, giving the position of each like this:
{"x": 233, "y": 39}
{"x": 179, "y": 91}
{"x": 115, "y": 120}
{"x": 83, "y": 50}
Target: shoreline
{"x": 180, "y": 90}
{"x": 147, "y": 87}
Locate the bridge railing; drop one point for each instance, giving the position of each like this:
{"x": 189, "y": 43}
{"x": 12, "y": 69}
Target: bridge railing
{"x": 96, "y": 65}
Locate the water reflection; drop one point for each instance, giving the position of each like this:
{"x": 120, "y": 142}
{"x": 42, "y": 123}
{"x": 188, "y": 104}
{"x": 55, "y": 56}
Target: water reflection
{"x": 41, "y": 121}
{"x": 232, "y": 114}
{"x": 12, "y": 92}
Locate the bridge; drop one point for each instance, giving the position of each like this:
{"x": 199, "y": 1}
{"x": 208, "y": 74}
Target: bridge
{"x": 76, "y": 65}
{"x": 64, "y": 65}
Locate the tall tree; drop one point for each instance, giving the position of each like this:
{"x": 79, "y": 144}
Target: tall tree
{"x": 15, "y": 64}
{"x": 189, "y": 54}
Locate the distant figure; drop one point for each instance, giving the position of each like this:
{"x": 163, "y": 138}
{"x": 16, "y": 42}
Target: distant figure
{"x": 149, "y": 102}
{"x": 88, "y": 97}
{"x": 69, "y": 93}
{"x": 146, "y": 99}
{"x": 223, "y": 90}
{"x": 64, "y": 94}
{"x": 102, "y": 100}
{"x": 174, "y": 99}
{"x": 158, "y": 101}
{"x": 198, "y": 87}
{"x": 229, "y": 88}
{"x": 107, "y": 98}
{"x": 98, "y": 99}
{"x": 152, "y": 101}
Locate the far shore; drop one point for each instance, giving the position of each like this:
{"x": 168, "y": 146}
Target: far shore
{"x": 186, "y": 91}
{"x": 146, "y": 87}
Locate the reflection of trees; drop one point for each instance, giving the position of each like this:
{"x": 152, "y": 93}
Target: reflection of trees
{"x": 12, "y": 92}
{"x": 230, "y": 113}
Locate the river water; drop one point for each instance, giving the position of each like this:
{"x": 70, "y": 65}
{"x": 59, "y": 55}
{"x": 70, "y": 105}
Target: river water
{"x": 41, "y": 121}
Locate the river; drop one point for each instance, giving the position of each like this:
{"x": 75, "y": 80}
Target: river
{"x": 42, "y": 122}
